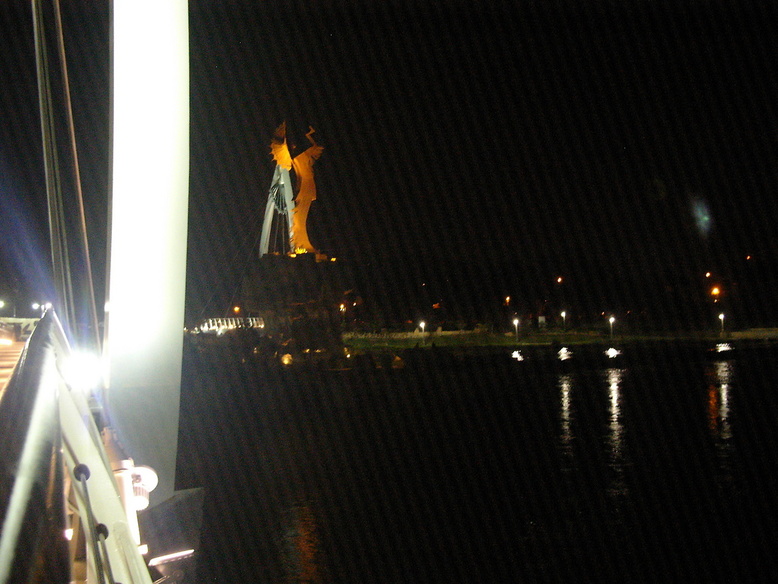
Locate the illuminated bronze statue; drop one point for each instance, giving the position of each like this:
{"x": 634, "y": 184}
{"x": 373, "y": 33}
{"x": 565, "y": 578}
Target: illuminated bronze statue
{"x": 294, "y": 203}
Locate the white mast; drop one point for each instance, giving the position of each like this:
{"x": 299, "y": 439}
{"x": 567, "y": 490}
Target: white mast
{"x": 148, "y": 234}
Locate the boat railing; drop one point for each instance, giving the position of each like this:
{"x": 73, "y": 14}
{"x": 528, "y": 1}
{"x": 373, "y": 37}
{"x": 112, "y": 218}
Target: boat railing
{"x": 62, "y": 516}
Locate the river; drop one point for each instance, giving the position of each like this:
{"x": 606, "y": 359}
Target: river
{"x": 658, "y": 464}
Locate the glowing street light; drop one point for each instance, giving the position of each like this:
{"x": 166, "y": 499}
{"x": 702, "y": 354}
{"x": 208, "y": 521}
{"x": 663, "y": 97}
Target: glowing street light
{"x": 611, "y": 320}
{"x": 42, "y": 306}
{"x": 721, "y": 318}
{"x": 563, "y": 314}
{"x": 516, "y": 328}
{"x": 422, "y": 324}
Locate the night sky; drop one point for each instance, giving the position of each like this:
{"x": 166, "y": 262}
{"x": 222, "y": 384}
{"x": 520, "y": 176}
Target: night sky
{"x": 472, "y": 149}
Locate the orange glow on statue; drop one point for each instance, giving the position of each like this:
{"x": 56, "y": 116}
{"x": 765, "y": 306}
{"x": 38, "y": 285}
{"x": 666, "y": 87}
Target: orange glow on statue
{"x": 305, "y": 191}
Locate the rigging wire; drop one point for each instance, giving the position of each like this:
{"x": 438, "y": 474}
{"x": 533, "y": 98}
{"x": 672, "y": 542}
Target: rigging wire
{"x": 58, "y": 235}
{"x": 77, "y": 172}
{"x": 58, "y": 225}
{"x": 240, "y": 251}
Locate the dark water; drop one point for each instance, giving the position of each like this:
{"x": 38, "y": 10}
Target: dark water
{"x": 657, "y": 465}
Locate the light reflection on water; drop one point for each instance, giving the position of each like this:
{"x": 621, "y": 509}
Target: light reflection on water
{"x": 720, "y": 377}
{"x": 617, "y": 460}
{"x": 300, "y": 547}
{"x": 566, "y": 437}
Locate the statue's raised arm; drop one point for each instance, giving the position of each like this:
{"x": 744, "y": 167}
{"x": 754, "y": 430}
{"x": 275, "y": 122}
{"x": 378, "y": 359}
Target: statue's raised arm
{"x": 279, "y": 148}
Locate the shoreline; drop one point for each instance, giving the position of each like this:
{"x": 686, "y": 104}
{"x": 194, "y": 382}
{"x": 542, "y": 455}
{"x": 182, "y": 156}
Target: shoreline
{"x": 467, "y": 341}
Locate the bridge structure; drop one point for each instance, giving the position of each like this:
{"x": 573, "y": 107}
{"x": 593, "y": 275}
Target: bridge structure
{"x": 21, "y": 328}
{"x": 222, "y": 325}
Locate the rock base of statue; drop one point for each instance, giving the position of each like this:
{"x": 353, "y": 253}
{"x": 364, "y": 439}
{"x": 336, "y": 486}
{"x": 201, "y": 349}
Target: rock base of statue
{"x": 298, "y": 297}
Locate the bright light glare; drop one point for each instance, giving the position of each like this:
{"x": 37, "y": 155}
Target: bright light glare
{"x": 69, "y": 533}
{"x": 565, "y": 354}
{"x": 517, "y": 355}
{"x": 5, "y": 341}
{"x": 722, "y": 347}
{"x": 612, "y": 353}
{"x": 170, "y": 557}
{"x": 82, "y": 371}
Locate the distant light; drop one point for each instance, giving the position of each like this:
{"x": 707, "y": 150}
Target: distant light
{"x": 565, "y": 354}
{"x": 748, "y": 257}
{"x": 286, "y": 359}
{"x": 333, "y": 259}
{"x": 721, "y": 316}
{"x": 612, "y": 353}
{"x": 563, "y": 314}
{"x": 612, "y": 319}
{"x": 236, "y": 309}
{"x": 515, "y": 322}
{"x": 517, "y": 355}
{"x": 707, "y": 274}
{"x": 170, "y": 557}
{"x": 715, "y": 291}
{"x": 507, "y": 300}
{"x": 723, "y": 347}
{"x": 559, "y": 280}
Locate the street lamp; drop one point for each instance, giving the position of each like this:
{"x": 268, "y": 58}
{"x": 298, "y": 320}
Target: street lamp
{"x": 721, "y": 318}
{"x": 516, "y": 328}
{"x": 611, "y": 320}
{"x": 563, "y": 314}
{"x": 13, "y": 307}
{"x": 42, "y": 306}
{"x": 422, "y": 324}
